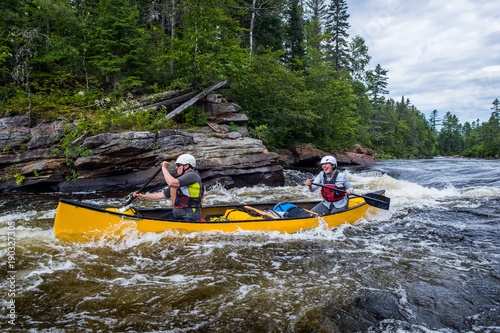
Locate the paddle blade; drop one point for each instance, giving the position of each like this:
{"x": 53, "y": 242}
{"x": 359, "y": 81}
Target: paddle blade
{"x": 377, "y": 200}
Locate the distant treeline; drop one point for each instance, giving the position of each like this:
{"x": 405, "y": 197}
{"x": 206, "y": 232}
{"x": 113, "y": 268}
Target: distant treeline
{"x": 294, "y": 70}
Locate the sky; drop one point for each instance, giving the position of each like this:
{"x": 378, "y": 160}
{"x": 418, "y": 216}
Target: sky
{"x": 443, "y": 55}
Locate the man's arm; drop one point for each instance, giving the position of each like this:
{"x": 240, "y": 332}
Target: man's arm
{"x": 150, "y": 196}
{"x": 171, "y": 181}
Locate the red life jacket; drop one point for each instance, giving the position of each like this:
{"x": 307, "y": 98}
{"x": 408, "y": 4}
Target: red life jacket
{"x": 331, "y": 195}
{"x": 184, "y": 201}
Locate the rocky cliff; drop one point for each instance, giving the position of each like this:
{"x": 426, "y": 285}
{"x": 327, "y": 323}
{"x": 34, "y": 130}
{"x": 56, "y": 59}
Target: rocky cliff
{"x": 31, "y": 158}
{"x": 124, "y": 161}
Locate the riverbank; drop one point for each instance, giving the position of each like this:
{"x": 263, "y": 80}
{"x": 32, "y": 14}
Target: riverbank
{"x": 40, "y": 158}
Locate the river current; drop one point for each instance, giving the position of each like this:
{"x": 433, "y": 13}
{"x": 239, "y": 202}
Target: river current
{"x": 429, "y": 264}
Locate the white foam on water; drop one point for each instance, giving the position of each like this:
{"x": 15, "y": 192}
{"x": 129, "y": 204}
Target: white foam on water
{"x": 129, "y": 281}
{"x": 35, "y": 278}
{"x": 48, "y": 214}
{"x": 246, "y": 289}
{"x": 24, "y": 216}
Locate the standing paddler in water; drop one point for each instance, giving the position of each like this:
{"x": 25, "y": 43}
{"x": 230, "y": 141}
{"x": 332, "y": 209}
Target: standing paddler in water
{"x": 333, "y": 201}
{"x": 185, "y": 191}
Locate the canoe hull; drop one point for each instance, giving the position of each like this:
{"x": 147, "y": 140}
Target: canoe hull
{"x": 76, "y": 221}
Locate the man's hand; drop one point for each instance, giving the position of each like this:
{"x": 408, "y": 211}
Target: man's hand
{"x": 138, "y": 195}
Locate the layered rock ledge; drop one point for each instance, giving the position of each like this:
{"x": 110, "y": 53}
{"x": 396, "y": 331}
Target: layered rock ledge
{"x": 31, "y": 159}
{"x": 306, "y": 156}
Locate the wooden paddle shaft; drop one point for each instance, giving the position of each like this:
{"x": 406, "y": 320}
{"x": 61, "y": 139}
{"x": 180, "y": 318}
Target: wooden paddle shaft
{"x": 260, "y": 212}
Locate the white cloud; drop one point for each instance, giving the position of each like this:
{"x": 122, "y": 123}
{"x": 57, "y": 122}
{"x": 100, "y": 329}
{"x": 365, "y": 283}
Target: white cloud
{"x": 442, "y": 55}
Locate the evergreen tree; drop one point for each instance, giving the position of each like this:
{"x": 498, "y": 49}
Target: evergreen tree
{"x": 119, "y": 45}
{"x": 450, "y": 137}
{"x": 262, "y": 19}
{"x": 295, "y": 36}
{"x": 483, "y": 139}
{"x": 336, "y": 26}
{"x": 316, "y": 12}
{"x": 377, "y": 84}
{"x": 365, "y": 114}
{"x": 492, "y": 142}
{"x": 496, "y": 108}
{"x": 467, "y": 133}
{"x": 434, "y": 121}
{"x": 207, "y": 48}
{"x": 358, "y": 58}
{"x": 269, "y": 31}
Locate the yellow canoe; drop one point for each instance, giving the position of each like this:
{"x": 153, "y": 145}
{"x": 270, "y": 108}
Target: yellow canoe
{"x": 77, "y": 221}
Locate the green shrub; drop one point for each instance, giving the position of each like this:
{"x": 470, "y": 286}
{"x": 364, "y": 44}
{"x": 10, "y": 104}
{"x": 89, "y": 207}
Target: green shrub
{"x": 195, "y": 116}
{"x": 233, "y": 127}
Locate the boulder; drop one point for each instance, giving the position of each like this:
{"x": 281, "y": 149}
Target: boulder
{"x": 46, "y": 135}
{"x": 350, "y": 158}
{"x": 285, "y": 157}
{"x": 214, "y": 108}
{"x": 359, "y": 150}
{"x": 236, "y": 163}
{"x": 216, "y": 103}
{"x": 227, "y": 118}
{"x": 15, "y": 121}
{"x": 306, "y": 156}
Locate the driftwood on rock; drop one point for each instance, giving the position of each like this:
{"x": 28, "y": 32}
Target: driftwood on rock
{"x": 165, "y": 102}
{"x": 160, "y": 97}
{"x": 196, "y": 99}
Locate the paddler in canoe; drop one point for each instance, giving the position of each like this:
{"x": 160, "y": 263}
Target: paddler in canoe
{"x": 186, "y": 191}
{"x": 335, "y": 188}
{"x": 77, "y": 221}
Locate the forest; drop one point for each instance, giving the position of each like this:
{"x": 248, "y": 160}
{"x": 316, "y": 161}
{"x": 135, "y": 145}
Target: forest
{"x": 294, "y": 69}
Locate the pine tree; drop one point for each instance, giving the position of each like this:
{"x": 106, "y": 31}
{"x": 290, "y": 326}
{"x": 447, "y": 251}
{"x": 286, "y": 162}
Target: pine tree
{"x": 496, "y": 108}
{"x": 269, "y": 29}
{"x": 358, "y": 58}
{"x": 119, "y": 45}
{"x": 337, "y": 25}
{"x": 492, "y": 142}
{"x": 377, "y": 84}
{"x": 295, "y": 36}
{"x": 316, "y": 13}
{"x": 450, "y": 137}
{"x": 434, "y": 121}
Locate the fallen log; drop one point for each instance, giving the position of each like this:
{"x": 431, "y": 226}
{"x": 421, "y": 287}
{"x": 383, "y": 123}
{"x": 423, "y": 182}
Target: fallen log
{"x": 160, "y": 97}
{"x": 195, "y": 99}
{"x": 165, "y": 103}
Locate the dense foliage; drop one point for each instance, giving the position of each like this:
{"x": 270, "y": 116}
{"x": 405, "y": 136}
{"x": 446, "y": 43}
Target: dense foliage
{"x": 294, "y": 70}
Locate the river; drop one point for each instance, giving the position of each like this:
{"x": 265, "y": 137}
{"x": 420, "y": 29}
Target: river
{"x": 429, "y": 264}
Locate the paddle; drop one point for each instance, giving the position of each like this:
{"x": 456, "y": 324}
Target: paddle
{"x": 143, "y": 187}
{"x": 373, "y": 199}
{"x": 260, "y": 212}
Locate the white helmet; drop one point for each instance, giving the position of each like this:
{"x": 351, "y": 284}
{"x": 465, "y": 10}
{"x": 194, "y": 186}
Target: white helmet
{"x": 328, "y": 159}
{"x": 186, "y": 159}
